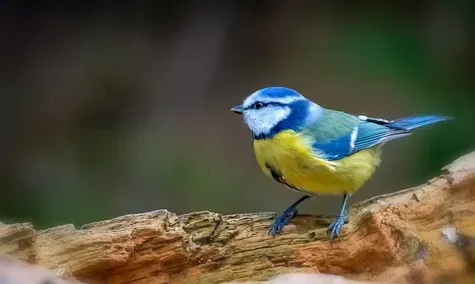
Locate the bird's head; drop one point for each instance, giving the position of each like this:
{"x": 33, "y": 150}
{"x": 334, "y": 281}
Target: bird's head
{"x": 273, "y": 109}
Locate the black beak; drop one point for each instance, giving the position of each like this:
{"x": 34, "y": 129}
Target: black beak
{"x": 237, "y": 109}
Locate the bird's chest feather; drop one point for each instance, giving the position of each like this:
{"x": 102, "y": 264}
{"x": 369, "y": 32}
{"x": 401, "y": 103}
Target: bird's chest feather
{"x": 288, "y": 158}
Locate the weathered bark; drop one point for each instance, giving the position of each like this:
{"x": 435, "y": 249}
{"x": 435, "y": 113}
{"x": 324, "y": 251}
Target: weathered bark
{"x": 418, "y": 235}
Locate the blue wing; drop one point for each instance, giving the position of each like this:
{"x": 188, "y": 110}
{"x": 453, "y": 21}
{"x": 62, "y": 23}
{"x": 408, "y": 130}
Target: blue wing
{"x": 360, "y": 132}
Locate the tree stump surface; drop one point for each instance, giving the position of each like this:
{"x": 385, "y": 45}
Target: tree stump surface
{"x": 424, "y": 234}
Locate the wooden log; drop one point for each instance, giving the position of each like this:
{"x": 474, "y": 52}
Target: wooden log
{"x": 418, "y": 235}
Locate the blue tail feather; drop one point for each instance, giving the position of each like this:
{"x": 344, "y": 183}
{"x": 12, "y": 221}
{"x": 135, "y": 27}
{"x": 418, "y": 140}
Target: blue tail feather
{"x": 411, "y": 122}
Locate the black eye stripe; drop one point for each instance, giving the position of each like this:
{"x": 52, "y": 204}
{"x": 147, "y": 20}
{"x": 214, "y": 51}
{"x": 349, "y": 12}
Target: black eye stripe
{"x": 263, "y": 105}
{"x": 258, "y": 105}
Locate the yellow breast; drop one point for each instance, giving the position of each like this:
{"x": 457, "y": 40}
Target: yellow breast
{"x": 289, "y": 154}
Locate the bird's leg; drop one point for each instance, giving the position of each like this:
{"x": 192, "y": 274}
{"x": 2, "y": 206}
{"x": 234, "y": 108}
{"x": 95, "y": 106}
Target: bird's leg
{"x": 284, "y": 218}
{"x": 335, "y": 227}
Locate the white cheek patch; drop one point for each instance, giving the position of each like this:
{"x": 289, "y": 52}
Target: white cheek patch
{"x": 261, "y": 121}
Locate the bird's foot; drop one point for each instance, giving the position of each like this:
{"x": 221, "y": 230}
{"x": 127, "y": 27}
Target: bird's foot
{"x": 335, "y": 226}
{"x": 281, "y": 221}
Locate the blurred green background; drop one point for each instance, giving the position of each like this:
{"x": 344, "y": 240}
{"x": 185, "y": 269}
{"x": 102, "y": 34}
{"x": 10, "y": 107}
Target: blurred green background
{"x": 118, "y": 107}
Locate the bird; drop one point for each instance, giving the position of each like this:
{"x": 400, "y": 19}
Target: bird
{"x": 318, "y": 151}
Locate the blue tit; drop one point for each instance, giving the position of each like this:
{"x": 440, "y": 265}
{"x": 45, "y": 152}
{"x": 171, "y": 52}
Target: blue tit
{"x": 315, "y": 150}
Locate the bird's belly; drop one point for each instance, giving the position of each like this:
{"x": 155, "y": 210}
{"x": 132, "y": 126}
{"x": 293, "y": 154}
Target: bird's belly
{"x": 287, "y": 155}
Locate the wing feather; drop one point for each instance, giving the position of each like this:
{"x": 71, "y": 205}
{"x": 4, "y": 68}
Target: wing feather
{"x": 337, "y": 135}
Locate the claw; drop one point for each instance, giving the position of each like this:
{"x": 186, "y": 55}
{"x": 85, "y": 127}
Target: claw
{"x": 335, "y": 227}
{"x": 281, "y": 221}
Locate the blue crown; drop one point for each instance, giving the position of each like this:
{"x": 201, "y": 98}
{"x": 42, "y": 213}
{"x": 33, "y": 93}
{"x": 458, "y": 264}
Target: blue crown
{"x": 279, "y": 92}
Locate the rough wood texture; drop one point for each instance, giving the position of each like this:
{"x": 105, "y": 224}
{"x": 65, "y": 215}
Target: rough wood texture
{"x": 419, "y": 235}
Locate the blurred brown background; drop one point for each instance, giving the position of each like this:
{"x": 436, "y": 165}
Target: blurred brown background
{"x": 117, "y": 107}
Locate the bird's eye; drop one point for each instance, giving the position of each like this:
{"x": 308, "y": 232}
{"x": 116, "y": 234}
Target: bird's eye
{"x": 258, "y": 105}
